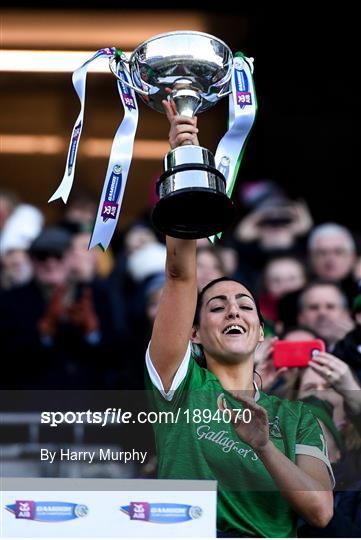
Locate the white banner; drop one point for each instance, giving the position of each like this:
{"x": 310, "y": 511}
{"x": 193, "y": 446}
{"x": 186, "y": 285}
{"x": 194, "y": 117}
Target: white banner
{"x": 127, "y": 508}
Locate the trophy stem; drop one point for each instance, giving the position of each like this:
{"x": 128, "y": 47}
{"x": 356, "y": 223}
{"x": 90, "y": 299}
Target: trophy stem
{"x": 187, "y": 101}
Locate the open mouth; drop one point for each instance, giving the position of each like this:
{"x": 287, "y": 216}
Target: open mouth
{"x": 234, "y": 330}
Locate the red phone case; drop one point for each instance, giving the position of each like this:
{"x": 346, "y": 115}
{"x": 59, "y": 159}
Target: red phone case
{"x": 295, "y": 353}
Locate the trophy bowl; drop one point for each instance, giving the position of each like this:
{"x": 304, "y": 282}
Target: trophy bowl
{"x": 182, "y": 60}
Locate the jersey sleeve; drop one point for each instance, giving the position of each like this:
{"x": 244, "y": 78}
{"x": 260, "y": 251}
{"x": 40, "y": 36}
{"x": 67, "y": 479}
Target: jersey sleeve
{"x": 311, "y": 440}
{"x": 178, "y": 379}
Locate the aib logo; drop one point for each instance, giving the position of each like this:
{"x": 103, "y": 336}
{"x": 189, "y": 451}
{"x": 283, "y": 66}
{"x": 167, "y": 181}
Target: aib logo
{"x": 139, "y": 511}
{"x": 25, "y": 510}
{"x": 161, "y": 512}
{"x": 50, "y": 511}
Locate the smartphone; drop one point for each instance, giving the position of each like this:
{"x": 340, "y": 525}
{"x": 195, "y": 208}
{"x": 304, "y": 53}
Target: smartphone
{"x": 296, "y": 353}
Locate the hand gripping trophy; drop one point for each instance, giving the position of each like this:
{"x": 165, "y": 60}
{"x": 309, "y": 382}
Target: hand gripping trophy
{"x": 195, "y": 70}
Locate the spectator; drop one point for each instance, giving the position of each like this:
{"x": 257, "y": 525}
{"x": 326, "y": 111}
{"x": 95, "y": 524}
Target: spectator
{"x": 209, "y": 265}
{"x": 133, "y": 267}
{"x": 334, "y": 396}
{"x": 19, "y": 230}
{"x": 80, "y": 210}
{"x": 227, "y": 254}
{"x": 16, "y": 268}
{"x": 79, "y": 216}
{"x": 62, "y": 327}
{"x": 146, "y": 260}
{"x": 332, "y": 251}
{"x": 280, "y": 382}
{"x": 84, "y": 262}
{"x": 332, "y": 254}
{"x": 324, "y": 310}
{"x": 138, "y": 235}
{"x": 275, "y": 225}
{"x": 349, "y": 348}
{"x": 281, "y": 275}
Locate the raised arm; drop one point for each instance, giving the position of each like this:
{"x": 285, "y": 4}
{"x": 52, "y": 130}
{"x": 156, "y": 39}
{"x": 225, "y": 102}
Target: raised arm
{"x": 174, "y": 320}
{"x": 173, "y": 324}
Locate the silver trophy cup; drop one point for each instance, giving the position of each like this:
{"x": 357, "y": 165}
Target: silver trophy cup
{"x": 194, "y": 70}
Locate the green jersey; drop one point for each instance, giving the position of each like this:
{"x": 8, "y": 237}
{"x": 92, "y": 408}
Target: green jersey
{"x": 201, "y": 443}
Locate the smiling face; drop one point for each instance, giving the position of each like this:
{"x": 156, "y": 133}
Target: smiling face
{"x": 229, "y": 328}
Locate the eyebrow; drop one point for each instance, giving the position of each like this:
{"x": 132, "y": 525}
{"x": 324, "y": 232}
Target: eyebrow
{"x": 223, "y": 297}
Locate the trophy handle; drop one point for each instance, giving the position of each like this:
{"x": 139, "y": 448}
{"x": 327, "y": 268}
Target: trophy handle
{"x": 112, "y": 60}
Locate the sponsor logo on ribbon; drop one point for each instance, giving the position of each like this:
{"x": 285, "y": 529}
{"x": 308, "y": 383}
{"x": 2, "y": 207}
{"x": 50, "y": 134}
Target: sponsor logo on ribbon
{"x": 161, "y": 512}
{"x": 47, "y": 510}
{"x": 126, "y": 92}
{"x": 74, "y": 142}
{"x": 243, "y": 95}
{"x": 110, "y": 204}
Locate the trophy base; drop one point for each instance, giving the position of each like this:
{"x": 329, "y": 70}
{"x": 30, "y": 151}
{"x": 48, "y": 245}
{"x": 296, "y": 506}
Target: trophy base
{"x": 192, "y": 213}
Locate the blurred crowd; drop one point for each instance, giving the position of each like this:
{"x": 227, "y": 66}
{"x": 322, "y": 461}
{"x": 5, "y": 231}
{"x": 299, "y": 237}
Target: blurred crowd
{"x": 78, "y": 319}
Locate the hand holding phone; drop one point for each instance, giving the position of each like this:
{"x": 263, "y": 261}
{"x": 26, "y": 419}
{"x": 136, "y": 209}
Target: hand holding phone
{"x": 296, "y": 353}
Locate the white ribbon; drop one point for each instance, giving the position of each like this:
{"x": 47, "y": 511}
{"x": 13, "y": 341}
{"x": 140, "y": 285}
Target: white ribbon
{"x": 242, "y": 112}
{"x": 120, "y": 156}
{"x": 118, "y": 167}
{"x": 79, "y": 83}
